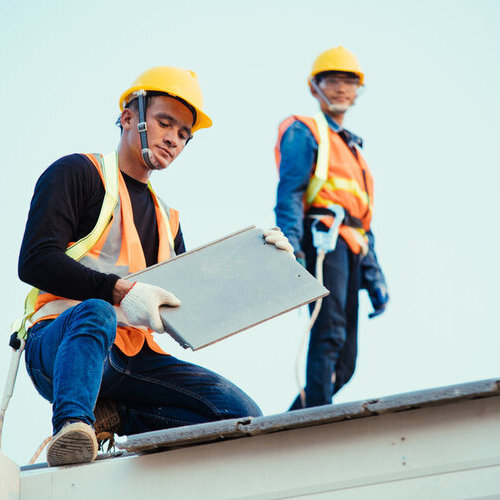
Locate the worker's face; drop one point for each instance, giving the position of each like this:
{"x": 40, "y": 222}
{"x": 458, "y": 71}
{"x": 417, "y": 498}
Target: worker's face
{"x": 340, "y": 89}
{"x": 169, "y": 125}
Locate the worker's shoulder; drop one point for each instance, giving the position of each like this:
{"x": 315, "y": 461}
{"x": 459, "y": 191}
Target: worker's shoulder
{"x": 70, "y": 169}
{"x": 298, "y": 120}
{"x": 294, "y": 128}
{"x": 300, "y": 123}
{"x": 76, "y": 163}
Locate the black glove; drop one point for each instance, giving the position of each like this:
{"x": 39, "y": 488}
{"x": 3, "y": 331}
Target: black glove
{"x": 379, "y": 297}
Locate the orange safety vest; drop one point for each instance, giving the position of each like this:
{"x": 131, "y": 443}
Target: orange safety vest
{"x": 348, "y": 182}
{"x": 119, "y": 251}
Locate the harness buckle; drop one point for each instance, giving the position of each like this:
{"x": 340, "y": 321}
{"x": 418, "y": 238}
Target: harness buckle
{"x": 142, "y": 127}
{"x": 327, "y": 240}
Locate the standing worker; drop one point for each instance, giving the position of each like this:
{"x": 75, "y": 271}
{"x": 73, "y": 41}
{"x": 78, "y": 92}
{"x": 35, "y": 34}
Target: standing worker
{"x": 325, "y": 185}
{"x": 93, "y": 220}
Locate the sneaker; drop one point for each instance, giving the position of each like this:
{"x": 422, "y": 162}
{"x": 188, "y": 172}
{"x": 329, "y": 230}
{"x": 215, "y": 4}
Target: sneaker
{"x": 75, "y": 443}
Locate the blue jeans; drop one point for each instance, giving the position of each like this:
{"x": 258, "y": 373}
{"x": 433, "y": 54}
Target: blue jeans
{"x": 331, "y": 357}
{"x": 72, "y": 361}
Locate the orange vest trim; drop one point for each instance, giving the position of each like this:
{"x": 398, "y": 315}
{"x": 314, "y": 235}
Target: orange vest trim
{"x": 119, "y": 251}
{"x": 349, "y": 182}
{"x": 283, "y": 127}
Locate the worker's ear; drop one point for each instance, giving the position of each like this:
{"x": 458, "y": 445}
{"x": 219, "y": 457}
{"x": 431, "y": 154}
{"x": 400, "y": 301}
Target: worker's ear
{"x": 127, "y": 118}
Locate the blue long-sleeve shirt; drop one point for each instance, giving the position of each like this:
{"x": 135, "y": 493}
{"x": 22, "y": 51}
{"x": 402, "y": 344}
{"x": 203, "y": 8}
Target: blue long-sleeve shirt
{"x": 299, "y": 151}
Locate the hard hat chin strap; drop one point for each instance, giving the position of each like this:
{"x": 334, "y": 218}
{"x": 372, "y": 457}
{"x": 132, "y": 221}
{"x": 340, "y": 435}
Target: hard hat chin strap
{"x": 142, "y": 128}
{"x": 319, "y": 91}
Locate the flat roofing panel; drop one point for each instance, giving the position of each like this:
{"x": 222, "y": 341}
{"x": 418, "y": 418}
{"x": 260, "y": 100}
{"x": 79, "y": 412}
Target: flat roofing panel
{"x": 228, "y": 286}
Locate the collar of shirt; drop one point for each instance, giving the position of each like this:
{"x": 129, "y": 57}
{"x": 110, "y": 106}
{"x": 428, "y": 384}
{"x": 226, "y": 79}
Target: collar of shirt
{"x": 350, "y": 138}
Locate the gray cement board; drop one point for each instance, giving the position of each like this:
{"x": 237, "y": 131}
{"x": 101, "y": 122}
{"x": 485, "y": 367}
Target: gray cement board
{"x": 229, "y": 285}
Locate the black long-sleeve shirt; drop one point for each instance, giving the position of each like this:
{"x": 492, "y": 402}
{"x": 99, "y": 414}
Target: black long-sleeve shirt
{"x": 65, "y": 207}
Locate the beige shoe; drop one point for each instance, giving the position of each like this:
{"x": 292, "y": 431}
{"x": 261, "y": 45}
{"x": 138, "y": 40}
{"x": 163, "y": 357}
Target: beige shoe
{"x": 75, "y": 443}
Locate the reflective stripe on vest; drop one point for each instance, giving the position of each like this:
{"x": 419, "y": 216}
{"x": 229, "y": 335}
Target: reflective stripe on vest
{"x": 321, "y": 171}
{"x": 324, "y": 177}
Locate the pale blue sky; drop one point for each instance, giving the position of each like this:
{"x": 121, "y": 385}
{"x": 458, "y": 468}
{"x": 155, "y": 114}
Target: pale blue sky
{"x": 428, "y": 116}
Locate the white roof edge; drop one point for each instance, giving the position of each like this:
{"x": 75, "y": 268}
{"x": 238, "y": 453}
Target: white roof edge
{"x": 245, "y": 427}
{"x": 229, "y": 429}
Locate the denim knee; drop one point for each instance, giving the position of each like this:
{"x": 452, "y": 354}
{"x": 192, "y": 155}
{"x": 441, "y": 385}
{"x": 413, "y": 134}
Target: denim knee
{"x": 247, "y": 407}
{"x": 100, "y": 315}
{"x": 234, "y": 402}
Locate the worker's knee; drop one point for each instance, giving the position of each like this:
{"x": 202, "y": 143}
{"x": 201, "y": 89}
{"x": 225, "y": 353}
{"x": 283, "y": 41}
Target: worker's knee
{"x": 342, "y": 376}
{"x": 327, "y": 343}
{"x": 245, "y": 407}
{"x": 99, "y": 309}
{"x": 238, "y": 403}
{"x": 98, "y": 317}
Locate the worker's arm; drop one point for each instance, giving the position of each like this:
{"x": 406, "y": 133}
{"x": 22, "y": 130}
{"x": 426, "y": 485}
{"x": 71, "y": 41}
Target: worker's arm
{"x": 179, "y": 245}
{"x": 298, "y": 156}
{"x": 64, "y": 208}
{"x": 373, "y": 279}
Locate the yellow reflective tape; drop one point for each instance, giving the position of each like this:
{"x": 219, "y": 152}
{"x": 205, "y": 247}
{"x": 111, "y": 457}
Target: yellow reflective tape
{"x": 313, "y": 188}
{"x": 321, "y": 171}
{"x": 109, "y": 165}
{"x": 19, "y": 325}
{"x": 349, "y": 185}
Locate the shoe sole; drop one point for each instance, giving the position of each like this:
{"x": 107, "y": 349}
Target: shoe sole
{"x": 74, "y": 444}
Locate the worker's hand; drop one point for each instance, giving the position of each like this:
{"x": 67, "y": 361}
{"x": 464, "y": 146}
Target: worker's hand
{"x": 275, "y": 237}
{"x": 379, "y": 297}
{"x": 142, "y": 302}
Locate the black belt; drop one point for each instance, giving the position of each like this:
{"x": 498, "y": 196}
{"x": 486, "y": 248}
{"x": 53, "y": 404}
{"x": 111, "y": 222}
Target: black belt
{"x": 349, "y": 220}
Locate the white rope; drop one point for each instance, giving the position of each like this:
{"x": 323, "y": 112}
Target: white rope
{"x": 44, "y": 443}
{"x": 319, "y": 276}
{"x": 9, "y": 384}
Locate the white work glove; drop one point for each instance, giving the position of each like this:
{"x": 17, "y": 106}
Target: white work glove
{"x": 275, "y": 237}
{"x": 142, "y": 302}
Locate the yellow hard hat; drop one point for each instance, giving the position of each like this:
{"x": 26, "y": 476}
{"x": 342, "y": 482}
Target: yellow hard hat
{"x": 176, "y": 82}
{"x": 337, "y": 59}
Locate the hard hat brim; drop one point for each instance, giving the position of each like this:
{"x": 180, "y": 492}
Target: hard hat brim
{"x": 202, "y": 119}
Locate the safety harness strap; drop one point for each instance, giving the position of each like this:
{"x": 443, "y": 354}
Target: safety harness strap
{"x": 321, "y": 171}
{"x": 349, "y": 220}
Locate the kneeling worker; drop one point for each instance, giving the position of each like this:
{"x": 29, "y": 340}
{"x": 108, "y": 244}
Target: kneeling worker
{"x": 93, "y": 220}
